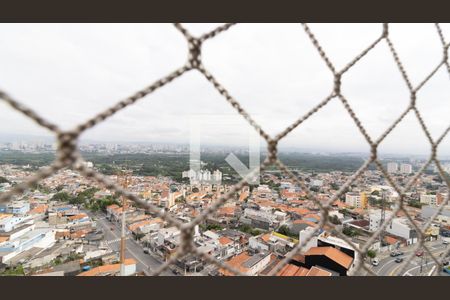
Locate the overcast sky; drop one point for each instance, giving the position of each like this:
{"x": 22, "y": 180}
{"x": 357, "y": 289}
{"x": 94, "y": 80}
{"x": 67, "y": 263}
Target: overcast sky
{"x": 70, "y": 72}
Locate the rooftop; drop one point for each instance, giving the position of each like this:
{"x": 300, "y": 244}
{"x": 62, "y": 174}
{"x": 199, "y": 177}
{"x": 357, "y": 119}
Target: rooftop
{"x": 332, "y": 253}
{"x": 107, "y": 269}
{"x": 293, "y": 270}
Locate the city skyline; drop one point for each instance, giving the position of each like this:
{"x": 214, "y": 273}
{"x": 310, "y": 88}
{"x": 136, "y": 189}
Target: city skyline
{"x": 35, "y": 140}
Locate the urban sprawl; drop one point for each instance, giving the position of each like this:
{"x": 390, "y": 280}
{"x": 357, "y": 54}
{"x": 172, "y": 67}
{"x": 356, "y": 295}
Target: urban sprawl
{"x": 68, "y": 225}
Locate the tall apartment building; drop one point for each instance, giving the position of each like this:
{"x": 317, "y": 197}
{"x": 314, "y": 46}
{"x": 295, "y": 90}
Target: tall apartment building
{"x": 392, "y": 167}
{"x": 202, "y": 176}
{"x": 217, "y": 175}
{"x": 428, "y": 199}
{"x": 358, "y": 200}
{"x": 375, "y": 218}
{"x": 406, "y": 168}
{"x": 433, "y": 200}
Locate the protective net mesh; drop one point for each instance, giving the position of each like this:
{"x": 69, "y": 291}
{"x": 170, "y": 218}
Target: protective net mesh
{"x": 68, "y": 155}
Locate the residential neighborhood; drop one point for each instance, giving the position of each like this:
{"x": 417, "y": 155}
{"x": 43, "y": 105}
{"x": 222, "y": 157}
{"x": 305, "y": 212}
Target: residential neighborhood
{"x": 68, "y": 225}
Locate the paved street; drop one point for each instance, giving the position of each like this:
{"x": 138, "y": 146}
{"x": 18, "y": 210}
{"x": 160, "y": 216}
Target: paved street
{"x": 388, "y": 266}
{"x": 145, "y": 262}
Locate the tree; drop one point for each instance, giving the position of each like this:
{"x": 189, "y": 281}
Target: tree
{"x": 314, "y": 189}
{"x": 371, "y": 253}
{"x": 284, "y": 230}
{"x": 374, "y": 201}
{"x": 415, "y": 203}
{"x": 61, "y": 196}
{"x": 57, "y": 261}
{"x": 15, "y": 271}
{"x": 334, "y": 186}
{"x": 248, "y": 229}
{"x": 213, "y": 227}
{"x": 344, "y": 211}
{"x": 4, "y": 180}
{"x": 349, "y": 231}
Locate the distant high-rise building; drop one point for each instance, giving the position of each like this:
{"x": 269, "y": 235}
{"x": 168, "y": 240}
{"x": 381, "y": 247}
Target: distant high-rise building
{"x": 406, "y": 168}
{"x": 217, "y": 175}
{"x": 357, "y": 200}
{"x": 392, "y": 167}
{"x": 202, "y": 175}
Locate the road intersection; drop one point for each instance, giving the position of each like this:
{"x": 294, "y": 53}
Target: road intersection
{"x": 389, "y": 267}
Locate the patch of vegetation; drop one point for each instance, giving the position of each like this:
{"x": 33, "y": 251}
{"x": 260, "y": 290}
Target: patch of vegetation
{"x": 351, "y": 232}
{"x": 61, "y": 196}
{"x": 101, "y": 204}
{"x": 371, "y": 253}
{"x": 344, "y": 211}
{"x": 314, "y": 189}
{"x": 273, "y": 185}
{"x": 334, "y": 220}
{"x": 57, "y": 261}
{"x": 415, "y": 203}
{"x": 73, "y": 256}
{"x": 168, "y": 164}
{"x": 206, "y": 227}
{"x": 4, "y": 180}
{"x": 250, "y": 230}
{"x": 19, "y": 158}
{"x": 374, "y": 201}
{"x": 41, "y": 188}
{"x": 284, "y": 230}
{"x": 375, "y": 193}
{"x": 334, "y": 186}
{"x": 15, "y": 271}
{"x": 86, "y": 198}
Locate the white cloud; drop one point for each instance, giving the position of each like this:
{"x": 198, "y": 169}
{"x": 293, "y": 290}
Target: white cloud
{"x": 70, "y": 72}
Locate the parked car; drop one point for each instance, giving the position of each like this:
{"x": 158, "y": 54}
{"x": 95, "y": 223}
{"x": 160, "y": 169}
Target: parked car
{"x": 399, "y": 260}
{"x": 146, "y": 251}
{"x": 375, "y": 262}
{"x": 445, "y": 242}
{"x": 419, "y": 253}
{"x": 396, "y": 253}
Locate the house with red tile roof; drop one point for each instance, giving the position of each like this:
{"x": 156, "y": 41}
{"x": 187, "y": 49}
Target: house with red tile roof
{"x": 293, "y": 270}
{"x": 112, "y": 269}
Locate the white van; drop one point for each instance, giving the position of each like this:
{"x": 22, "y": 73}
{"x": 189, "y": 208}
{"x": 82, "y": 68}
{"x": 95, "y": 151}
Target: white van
{"x": 375, "y": 262}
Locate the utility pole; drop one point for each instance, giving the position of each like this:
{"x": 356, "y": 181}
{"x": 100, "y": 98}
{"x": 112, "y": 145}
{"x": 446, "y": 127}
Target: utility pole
{"x": 125, "y": 178}
{"x": 383, "y": 215}
{"x": 421, "y": 263}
